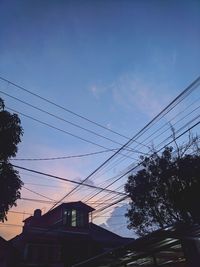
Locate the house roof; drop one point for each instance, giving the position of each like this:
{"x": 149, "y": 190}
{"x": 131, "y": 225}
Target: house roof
{"x": 77, "y": 205}
{"x": 101, "y": 234}
{"x": 68, "y": 205}
{"x": 93, "y": 232}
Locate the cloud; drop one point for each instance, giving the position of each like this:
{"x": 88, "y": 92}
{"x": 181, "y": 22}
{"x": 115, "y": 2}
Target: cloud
{"x": 94, "y": 90}
{"x": 137, "y": 94}
{"x": 97, "y": 90}
{"x": 117, "y": 222}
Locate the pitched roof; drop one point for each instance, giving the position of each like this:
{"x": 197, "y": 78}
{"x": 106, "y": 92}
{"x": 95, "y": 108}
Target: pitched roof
{"x": 77, "y": 204}
{"x": 70, "y": 205}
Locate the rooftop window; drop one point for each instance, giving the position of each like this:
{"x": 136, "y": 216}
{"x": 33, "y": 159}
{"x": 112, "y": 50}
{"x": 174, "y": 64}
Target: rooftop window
{"x": 75, "y": 218}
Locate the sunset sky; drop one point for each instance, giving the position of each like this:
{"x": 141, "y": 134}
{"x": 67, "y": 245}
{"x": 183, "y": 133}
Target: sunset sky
{"x": 116, "y": 63}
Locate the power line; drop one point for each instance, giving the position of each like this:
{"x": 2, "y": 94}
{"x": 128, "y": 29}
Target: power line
{"x": 45, "y": 185}
{"x": 36, "y": 193}
{"x": 19, "y": 212}
{"x": 36, "y": 200}
{"x": 169, "y": 123}
{"x": 64, "y": 120}
{"x": 51, "y": 202}
{"x": 61, "y": 107}
{"x": 103, "y": 198}
{"x": 64, "y": 157}
{"x": 66, "y": 180}
{"x": 112, "y": 204}
{"x": 181, "y": 128}
{"x": 58, "y": 129}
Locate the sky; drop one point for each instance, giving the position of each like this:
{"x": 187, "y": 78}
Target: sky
{"x": 117, "y": 63}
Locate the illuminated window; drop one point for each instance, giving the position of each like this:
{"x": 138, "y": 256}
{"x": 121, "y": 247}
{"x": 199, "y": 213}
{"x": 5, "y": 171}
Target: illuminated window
{"x": 67, "y": 218}
{"x": 74, "y": 218}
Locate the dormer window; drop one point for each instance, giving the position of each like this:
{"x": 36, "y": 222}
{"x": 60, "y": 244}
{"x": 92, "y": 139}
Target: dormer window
{"x": 75, "y": 218}
{"x": 67, "y": 218}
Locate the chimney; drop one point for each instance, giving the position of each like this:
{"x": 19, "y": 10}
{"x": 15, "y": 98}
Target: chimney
{"x": 37, "y": 213}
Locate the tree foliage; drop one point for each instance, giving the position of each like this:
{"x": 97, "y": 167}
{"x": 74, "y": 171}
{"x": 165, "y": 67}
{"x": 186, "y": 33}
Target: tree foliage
{"x": 165, "y": 191}
{"x": 10, "y": 183}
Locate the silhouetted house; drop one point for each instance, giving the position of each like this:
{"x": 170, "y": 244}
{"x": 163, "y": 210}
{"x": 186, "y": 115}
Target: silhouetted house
{"x": 7, "y": 254}
{"x": 62, "y": 237}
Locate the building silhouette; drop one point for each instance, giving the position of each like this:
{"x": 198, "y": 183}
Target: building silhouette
{"x": 62, "y": 237}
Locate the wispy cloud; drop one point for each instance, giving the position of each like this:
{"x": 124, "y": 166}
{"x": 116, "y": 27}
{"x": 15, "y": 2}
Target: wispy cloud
{"x": 117, "y": 222}
{"x": 135, "y": 93}
{"x": 97, "y": 90}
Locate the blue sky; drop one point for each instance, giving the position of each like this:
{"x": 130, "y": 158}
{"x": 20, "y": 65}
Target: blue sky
{"x": 115, "y": 62}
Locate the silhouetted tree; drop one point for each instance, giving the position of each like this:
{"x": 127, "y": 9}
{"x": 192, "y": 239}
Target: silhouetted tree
{"x": 10, "y": 183}
{"x": 165, "y": 191}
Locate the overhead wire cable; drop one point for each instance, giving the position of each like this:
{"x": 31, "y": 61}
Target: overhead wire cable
{"x": 64, "y": 179}
{"x": 182, "y": 127}
{"x": 36, "y": 193}
{"x": 168, "y": 123}
{"x": 45, "y": 185}
{"x": 36, "y": 200}
{"x": 66, "y": 121}
{"x": 64, "y": 157}
{"x": 85, "y": 198}
{"x": 46, "y": 201}
{"x": 20, "y": 212}
{"x": 110, "y": 198}
{"x": 61, "y": 107}
{"x": 58, "y": 129}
